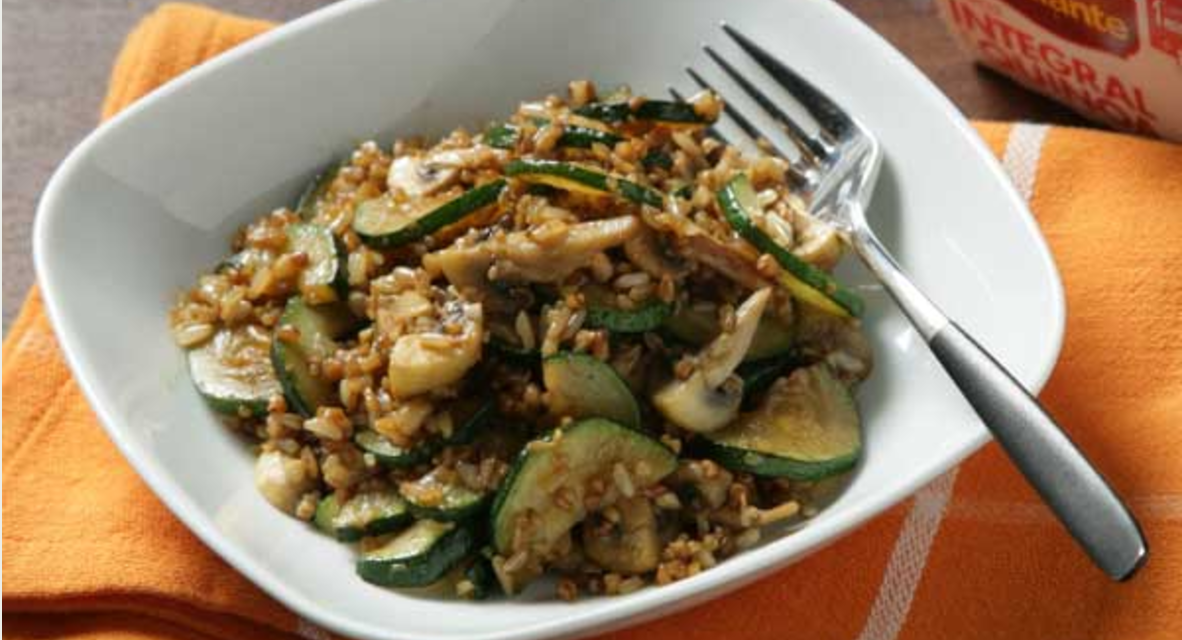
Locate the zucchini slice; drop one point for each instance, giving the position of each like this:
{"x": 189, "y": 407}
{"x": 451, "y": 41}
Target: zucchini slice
{"x": 318, "y": 328}
{"x": 326, "y": 510}
{"x": 579, "y": 179}
{"x": 565, "y": 462}
{"x": 807, "y": 428}
{"x": 758, "y": 375}
{"x": 697, "y": 326}
{"x": 806, "y": 282}
{"x": 579, "y": 137}
{"x": 502, "y": 135}
{"x": 312, "y": 199}
{"x": 325, "y": 278}
{"x": 604, "y": 313}
{"x": 580, "y": 386}
{"x": 233, "y": 373}
{"x": 667, "y": 112}
{"x": 506, "y": 135}
{"x": 429, "y": 498}
{"x": 391, "y": 455}
{"x": 610, "y": 112}
{"x": 382, "y": 224}
{"x": 365, "y": 514}
{"x": 418, "y": 556}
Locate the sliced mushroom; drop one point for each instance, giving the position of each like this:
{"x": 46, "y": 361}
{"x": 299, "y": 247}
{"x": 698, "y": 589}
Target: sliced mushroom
{"x": 628, "y": 546}
{"x": 720, "y": 357}
{"x": 523, "y": 255}
{"x": 421, "y": 362}
{"x": 416, "y": 176}
{"x": 282, "y": 479}
{"x": 693, "y": 405}
{"x": 709, "y": 399}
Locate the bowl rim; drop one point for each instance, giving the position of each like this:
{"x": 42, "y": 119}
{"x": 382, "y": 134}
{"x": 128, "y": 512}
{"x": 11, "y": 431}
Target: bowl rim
{"x": 645, "y": 605}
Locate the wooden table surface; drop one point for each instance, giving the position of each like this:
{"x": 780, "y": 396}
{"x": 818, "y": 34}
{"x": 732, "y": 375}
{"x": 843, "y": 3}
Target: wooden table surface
{"x": 57, "y": 56}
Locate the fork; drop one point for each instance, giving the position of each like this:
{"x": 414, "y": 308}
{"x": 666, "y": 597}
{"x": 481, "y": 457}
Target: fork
{"x": 835, "y": 176}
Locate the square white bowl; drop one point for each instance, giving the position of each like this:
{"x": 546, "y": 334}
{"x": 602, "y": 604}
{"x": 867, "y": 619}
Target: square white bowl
{"x": 151, "y": 197}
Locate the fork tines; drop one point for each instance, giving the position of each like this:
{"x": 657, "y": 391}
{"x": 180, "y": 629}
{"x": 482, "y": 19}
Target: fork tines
{"x": 833, "y": 123}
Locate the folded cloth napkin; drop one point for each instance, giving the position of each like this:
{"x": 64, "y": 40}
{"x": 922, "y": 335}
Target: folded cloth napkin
{"x": 89, "y": 552}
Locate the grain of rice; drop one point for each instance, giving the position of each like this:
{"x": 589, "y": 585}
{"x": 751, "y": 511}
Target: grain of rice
{"x": 631, "y": 280}
{"x": 193, "y": 335}
{"x": 516, "y": 562}
{"x": 581, "y": 92}
{"x": 668, "y": 501}
{"x": 623, "y": 480}
{"x": 601, "y": 267}
{"x": 779, "y": 512}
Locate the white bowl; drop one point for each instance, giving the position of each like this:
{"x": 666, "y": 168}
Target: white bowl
{"x": 151, "y": 197}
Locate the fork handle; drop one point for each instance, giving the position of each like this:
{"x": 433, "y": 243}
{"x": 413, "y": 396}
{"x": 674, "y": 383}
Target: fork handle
{"x": 1058, "y": 470}
{"x": 1077, "y": 493}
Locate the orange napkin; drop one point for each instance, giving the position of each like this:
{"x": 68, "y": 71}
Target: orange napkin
{"x": 89, "y": 552}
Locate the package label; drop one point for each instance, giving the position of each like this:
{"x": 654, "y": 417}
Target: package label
{"x": 1117, "y": 61}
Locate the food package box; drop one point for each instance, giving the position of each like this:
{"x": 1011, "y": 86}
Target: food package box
{"x": 1116, "y": 61}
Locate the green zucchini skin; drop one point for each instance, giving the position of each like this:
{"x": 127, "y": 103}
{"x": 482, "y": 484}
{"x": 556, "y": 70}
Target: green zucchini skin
{"x": 664, "y": 111}
{"x": 610, "y": 112}
{"x": 646, "y": 317}
{"x": 657, "y": 158}
{"x": 586, "y": 449}
{"x": 390, "y": 455}
{"x": 772, "y": 466}
{"x": 581, "y": 386}
{"x": 482, "y": 576}
{"x": 758, "y": 375}
{"x": 806, "y": 429}
{"x": 430, "y": 550}
{"x": 377, "y": 226}
{"x": 474, "y": 414}
{"x": 319, "y": 327}
{"x": 502, "y": 135}
{"x": 603, "y": 312}
{"x": 326, "y": 511}
{"x": 229, "y": 389}
{"x": 364, "y": 514}
{"x": 458, "y": 504}
{"x": 569, "y": 176}
{"x": 308, "y": 205}
{"x": 806, "y": 282}
{"x": 327, "y": 271}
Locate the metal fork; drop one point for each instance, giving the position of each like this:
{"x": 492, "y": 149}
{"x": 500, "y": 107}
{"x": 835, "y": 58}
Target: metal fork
{"x": 835, "y": 175}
